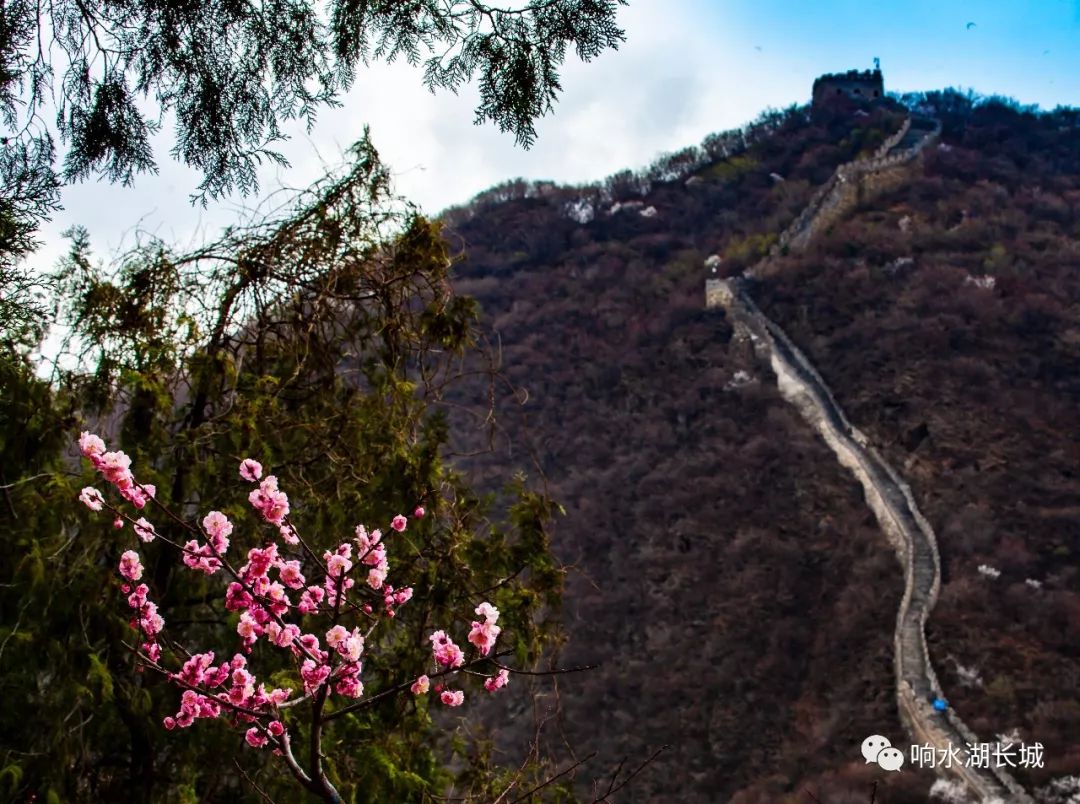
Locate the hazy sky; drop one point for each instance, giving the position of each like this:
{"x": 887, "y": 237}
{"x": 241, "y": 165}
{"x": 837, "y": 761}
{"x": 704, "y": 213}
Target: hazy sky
{"x": 688, "y": 68}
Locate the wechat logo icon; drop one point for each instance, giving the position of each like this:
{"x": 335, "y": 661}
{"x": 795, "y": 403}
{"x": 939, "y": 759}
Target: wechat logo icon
{"x": 876, "y": 748}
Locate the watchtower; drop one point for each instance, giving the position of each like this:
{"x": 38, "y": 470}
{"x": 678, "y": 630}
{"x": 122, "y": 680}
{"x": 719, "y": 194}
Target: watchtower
{"x": 856, "y": 85}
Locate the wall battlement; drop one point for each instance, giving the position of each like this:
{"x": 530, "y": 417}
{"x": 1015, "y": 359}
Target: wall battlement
{"x": 888, "y": 496}
{"x": 905, "y": 528}
{"x": 854, "y": 182}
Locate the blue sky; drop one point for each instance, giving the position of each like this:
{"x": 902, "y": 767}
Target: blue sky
{"x": 688, "y": 68}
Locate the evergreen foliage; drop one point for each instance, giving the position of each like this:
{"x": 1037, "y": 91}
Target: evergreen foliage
{"x": 231, "y": 74}
{"x": 321, "y": 343}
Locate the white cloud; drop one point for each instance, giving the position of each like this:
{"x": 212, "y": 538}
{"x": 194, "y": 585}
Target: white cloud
{"x": 672, "y": 82}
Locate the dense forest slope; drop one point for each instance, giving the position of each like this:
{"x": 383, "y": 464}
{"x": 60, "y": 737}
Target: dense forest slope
{"x": 724, "y": 569}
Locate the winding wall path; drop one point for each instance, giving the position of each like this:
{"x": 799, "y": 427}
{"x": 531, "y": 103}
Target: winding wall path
{"x": 886, "y": 493}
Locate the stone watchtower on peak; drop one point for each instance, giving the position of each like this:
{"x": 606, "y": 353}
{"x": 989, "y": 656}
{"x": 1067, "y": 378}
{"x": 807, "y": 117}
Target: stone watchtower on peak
{"x": 857, "y": 85}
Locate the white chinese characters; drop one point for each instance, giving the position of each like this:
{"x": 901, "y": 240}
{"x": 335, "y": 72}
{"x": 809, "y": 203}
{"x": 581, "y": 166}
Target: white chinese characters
{"x": 978, "y": 755}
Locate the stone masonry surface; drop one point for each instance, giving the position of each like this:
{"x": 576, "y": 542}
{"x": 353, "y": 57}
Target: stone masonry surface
{"x": 890, "y": 498}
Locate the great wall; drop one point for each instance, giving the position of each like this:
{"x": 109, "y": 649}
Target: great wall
{"x": 886, "y": 493}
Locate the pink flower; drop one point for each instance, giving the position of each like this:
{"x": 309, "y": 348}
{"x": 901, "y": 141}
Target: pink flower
{"x": 91, "y": 498}
{"x": 278, "y": 696}
{"x": 483, "y": 636}
{"x": 497, "y": 681}
{"x": 218, "y": 528}
{"x": 337, "y": 565}
{"x": 169, "y": 723}
{"x": 255, "y": 738}
{"x": 137, "y": 599}
{"x": 275, "y": 727}
{"x": 352, "y": 647}
{"x": 366, "y": 542}
{"x": 138, "y": 495}
{"x": 283, "y": 637}
{"x": 336, "y": 635}
{"x": 288, "y": 535}
{"x": 310, "y": 643}
{"x": 279, "y": 599}
{"x": 236, "y": 597}
{"x": 446, "y": 652}
{"x": 488, "y": 612}
{"x": 90, "y": 445}
{"x": 250, "y": 470}
{"x": 151, "y": 622}
{"x": 398, "y": 523}
{"x": 348, "y": 681}
{"x": 259, "y": 562}
{"x": 130, "y": 566}
{"x": 419, "y": 512}
{"x": 248, "y": 628}
{"x": 201, "y": 558}
{"x": 310, "y": 599}
{"x": 270, "y": 501}
{"x": 375, "y": 577}
{"x": 116, "y": 467}
{"x": 313, "y": 674}
{"x": 144, "y": 530}
{"x": 289, "y": 573}
{"x": 118, "y": 523}
{"x": 456, "y": 698}
{"x": 152, "y": 651}
{"x": 421, "y": 686}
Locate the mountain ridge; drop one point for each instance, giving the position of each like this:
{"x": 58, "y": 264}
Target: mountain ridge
{"x": 602, "y": 323}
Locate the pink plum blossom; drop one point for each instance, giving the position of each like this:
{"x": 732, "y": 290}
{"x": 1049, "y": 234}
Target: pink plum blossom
{"x": 270, "y": 501}
{"x": 488, "y": 612}
{"x": 90, "y": 445}
{"x": 144, "y": 530}
{"x": 248, "y": 628}
{"x": 419, "y": 512}
{"x": 310, "y": 599}
{"x": 236, "y": 597}
{"x": 336, "y": 635}
{"x": 446, "y": 652}
{"x": 337, "y": 565}
{"x": 484, "y": 634}
{"x": 348, "y": 682}
{"x": 421, "y": 686}
{"x": 398, "y": 523}
{"x": 91, "y": 498}
{"x": 218, "y": 528}
{"x": 130, "y": 565}
{"x": 452, "y": 697}
{"x": 314, "y": 675}
{"x": 250, "y": 470}
{"x": 116, "y": 467}
{"x": 352, "y": 646}
{"x": 497, "y": 681}
{"x": 289, "y": 573}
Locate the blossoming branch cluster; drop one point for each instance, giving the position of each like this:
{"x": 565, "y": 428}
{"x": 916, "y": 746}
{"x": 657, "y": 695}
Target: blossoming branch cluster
{"x": 262, "y": 591}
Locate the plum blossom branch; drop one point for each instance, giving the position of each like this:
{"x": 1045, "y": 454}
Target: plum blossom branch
{"x": 264, "y": 606}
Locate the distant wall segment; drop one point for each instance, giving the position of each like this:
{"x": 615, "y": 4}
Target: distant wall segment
{"x": 890, "y": 498}
{"x": 906, "y": 529}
